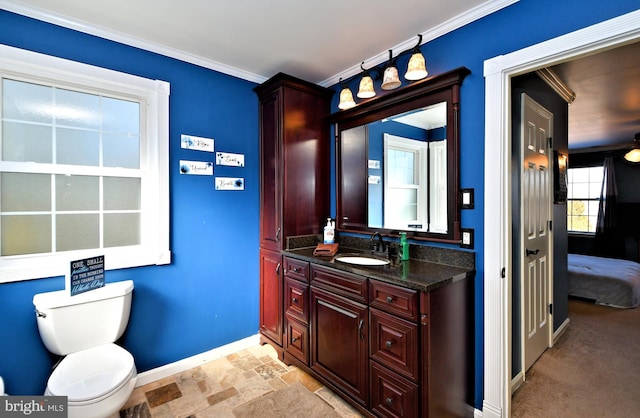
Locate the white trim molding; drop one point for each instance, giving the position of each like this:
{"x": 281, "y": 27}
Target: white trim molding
{"x": 197, "y": 360}
{"x": 498, "y": 72}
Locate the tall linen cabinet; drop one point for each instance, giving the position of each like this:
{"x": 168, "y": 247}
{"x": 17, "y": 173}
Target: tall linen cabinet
{"x": 294, "y": 182}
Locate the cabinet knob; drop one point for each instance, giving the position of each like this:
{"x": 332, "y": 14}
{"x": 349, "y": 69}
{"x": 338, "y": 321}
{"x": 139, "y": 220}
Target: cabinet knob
{"x": 389, "y": 299}
{"x": 296, "y": 270}
{"x": 294, "y": 300}
{"x": 388, "y": 401}
{"x": 294, "y": 339}
{"x": 388, "y": 344}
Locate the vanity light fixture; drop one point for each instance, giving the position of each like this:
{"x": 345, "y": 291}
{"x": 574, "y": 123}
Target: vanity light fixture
{"x": 633, "y": 156}
{"x": 390, "y": 79}
{"x": 417, "y": 67}
{"x": 366, "y": 90}
{"x": 346, "y": 98}
{"x": 416, "y": 70}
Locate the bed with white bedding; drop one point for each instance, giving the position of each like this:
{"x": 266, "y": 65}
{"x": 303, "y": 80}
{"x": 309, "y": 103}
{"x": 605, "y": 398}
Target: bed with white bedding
{"x": 607, "y": 281}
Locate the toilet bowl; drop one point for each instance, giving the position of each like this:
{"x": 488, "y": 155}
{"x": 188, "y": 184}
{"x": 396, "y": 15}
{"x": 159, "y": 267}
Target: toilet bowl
{"x": 96, "y": 375}
{"x": 96, "y": 381}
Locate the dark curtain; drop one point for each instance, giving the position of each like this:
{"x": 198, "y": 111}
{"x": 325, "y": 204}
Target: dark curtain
{"x": 609, "y": 242}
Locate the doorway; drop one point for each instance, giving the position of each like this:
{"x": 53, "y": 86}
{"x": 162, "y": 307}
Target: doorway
{"x": 498, "y": 165}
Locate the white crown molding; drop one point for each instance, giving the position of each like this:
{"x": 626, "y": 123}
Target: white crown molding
{"x": 122, "y": 38}
{"x": 457, "y": 22}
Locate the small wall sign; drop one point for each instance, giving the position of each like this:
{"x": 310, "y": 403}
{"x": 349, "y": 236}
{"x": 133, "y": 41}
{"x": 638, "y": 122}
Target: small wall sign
{"x": 201, "y": 168}
{"x": 229, "y": 183}
{"x": 227, "y": 158}
{"x": 87, "y": 274}
{"x": 196, "y": 143}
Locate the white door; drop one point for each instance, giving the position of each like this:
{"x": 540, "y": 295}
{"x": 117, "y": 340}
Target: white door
{"x": 536, "y": 129}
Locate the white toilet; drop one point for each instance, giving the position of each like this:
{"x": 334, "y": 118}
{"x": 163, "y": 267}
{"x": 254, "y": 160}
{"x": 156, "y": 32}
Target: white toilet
{"x": 96, "y": 375}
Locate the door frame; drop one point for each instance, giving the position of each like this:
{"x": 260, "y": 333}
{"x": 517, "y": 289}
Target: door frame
{"x": 497, "y": 186}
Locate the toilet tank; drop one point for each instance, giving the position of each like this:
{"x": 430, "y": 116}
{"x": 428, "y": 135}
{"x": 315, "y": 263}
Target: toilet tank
{"x": 68, "y": 324}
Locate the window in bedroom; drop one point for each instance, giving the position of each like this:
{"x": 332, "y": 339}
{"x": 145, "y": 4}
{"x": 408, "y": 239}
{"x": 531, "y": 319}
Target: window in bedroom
{"x": 583, "y": 198}
{"x": 83, "y": 166}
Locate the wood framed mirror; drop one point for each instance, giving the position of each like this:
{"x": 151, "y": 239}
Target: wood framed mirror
{"x": 397, "y": 161}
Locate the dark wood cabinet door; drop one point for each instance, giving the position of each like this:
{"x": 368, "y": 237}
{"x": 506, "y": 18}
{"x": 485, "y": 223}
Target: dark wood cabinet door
{"x": 339, "y": 337}
{"x": 271, "y": 295}
{"x": 270, "y": 172}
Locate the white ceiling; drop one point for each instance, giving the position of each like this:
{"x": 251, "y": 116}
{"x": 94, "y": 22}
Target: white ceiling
{"x": 255, "y": 39}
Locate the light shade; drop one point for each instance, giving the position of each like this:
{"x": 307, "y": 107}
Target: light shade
{"x": 417, "y": 68}
{"x": 346, "y": 99}
{"x": 366, "y": 90}
{"x": 633, "y": 155}
{"x": 390, "y": 79}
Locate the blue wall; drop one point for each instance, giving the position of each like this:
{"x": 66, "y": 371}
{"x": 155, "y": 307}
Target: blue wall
{"x": 208, "y": 295}
{"x": 522, "y": 24}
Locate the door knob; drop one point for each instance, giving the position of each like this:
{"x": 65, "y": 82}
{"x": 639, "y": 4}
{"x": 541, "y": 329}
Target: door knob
{"x": 529, "y": 252}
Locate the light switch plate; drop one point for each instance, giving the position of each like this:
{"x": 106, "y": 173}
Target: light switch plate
{"x": 467, "y": 238}
{"x": 466, "y": 199}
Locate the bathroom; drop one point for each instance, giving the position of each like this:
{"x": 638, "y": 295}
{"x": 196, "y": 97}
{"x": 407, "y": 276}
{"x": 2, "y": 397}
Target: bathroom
{"x": 207, "y": 296}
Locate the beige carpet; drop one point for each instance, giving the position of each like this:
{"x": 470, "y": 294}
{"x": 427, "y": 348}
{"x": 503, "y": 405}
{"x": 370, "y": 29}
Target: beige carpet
{"x": 593, "y": 371}
{"x": 295, "y": 401}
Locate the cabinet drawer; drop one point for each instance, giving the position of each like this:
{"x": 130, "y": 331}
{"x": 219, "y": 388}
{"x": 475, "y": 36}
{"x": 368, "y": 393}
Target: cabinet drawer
{"x": 297, "y": 339}
{"x": 394, "y": 343}
{"x": 296, "y": 268}
{"x": 396, "y": 300}
{"x": 296, "y": 299}
{"x": 392, "y": 395}
{"x": 339, "y": 282}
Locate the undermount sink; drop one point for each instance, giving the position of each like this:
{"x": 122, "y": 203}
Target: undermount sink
{"x": 362, "y": 260}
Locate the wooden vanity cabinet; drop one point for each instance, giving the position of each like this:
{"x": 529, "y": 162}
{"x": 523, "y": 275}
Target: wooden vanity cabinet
{"x": 271, "y": 295}
{"x": 296, "y": 310}
{"x": 340, "y": 331}
{"x": 390, "y": 350}
{"x": 294, "y": 154}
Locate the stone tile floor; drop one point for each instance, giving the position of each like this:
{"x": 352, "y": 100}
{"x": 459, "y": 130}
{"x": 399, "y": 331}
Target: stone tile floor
{"x": 217, "y": 388}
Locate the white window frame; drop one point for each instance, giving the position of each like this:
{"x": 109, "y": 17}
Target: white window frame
{"x": 572, "y": 198}
{"x": 420, "y": 150}
{"x": 154, "y": 161}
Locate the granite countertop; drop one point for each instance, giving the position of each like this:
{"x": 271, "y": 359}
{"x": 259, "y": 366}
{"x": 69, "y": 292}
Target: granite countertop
{"x": 414, "y": 274}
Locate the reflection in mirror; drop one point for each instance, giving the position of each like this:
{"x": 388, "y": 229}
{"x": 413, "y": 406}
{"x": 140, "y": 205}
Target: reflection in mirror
{"x": 397, "y": 161}
{"x": 407, "y": 163}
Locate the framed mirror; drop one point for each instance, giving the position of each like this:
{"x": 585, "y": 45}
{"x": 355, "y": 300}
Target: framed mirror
{"x": 397, "y": 165}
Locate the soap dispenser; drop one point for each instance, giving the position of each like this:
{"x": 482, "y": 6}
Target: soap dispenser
{"x": 329, "y": 232}
{"x": 404, "y": 247}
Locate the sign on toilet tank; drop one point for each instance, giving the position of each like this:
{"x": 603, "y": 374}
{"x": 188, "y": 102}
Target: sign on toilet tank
{"x": 86, "y": 274}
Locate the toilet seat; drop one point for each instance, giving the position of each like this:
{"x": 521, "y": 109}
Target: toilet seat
{"x": 91, "y": 375}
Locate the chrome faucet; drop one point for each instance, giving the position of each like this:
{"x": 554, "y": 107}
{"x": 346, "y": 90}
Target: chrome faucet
{"x": 377, "y": 246}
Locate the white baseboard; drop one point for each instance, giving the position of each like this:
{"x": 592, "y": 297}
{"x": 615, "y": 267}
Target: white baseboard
{"x": 195, "y": 361}
{"x": 560, "y": 331}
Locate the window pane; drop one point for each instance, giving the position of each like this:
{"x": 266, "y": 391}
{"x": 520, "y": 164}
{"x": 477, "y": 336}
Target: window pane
{"x": 77, "y": 147}
{"x": 26, "y": 234}
{"x": 25, "y": 192}
{"x": 26, "y": 101}
{"x": 403, "y": 206}
{"x": 120, "y": 116}
{"x": 77, "y": 193}
{"x": 121, "y": 229}
{"x": 121, "y": 193}
{"x": 401, "y": 166}
{"x": 77, "y": 109}
{"x": 121, "y": 151}
{"x": 26, "y": 142}
{"x": 77, "y": 232}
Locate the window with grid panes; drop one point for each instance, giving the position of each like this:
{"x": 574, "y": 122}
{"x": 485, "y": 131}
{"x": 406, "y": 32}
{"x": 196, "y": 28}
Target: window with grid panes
{"x": 583, "y": 198}
{"x": 83, "y": 166}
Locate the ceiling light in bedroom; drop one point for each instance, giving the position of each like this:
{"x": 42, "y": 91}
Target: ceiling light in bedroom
{"x": 633, "y": 156}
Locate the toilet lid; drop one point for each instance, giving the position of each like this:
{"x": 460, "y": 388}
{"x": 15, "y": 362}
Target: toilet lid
{"x": 91, "y": 373}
